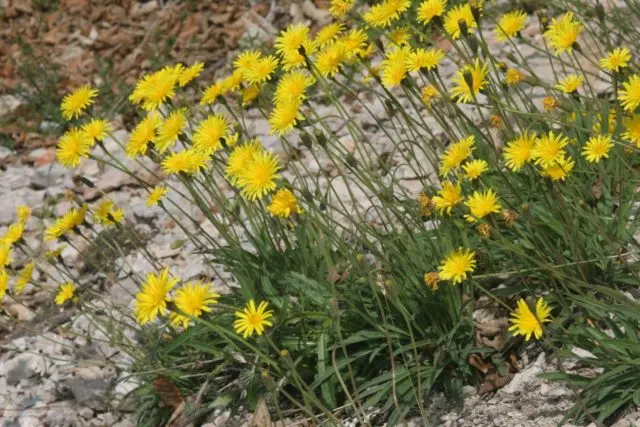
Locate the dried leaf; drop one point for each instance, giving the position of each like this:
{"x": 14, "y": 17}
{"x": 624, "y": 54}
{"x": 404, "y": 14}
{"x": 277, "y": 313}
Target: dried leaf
{"x": 261, "y": 417}
{"x": 168, "y": 392}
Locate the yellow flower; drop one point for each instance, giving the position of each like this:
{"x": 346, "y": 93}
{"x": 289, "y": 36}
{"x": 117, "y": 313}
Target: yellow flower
{"x": 245, "y": 61}
{"x": 355, "y": 42}
{"x": 212, "y": 93}
{"x": 23, "y": 212}
{"x": 454, "y": 16}
{"x": 563, "y": 33}
{"x": 424, "y": 58}
{"x": 616, "y": 60}
{"x": 190, "y": 73}
{"x": 5, "y": 254}
{"x": 559, "y": 169}
{"x": 156, "y": 195}
{"x": 106, "y": 213}
{"x": 208, "y": 135}
{"x": 384, "y": 13}
{"x": 519, "y": 151}
{"x": 249, "y": 94}
{"x": 292, "y": 87}
{"x": 252, "y": 319}
{"x": 448, "y": 197}
{"x": 339, "y": 8}
{"x": 393, "y": 69}
{"x": 194, "y": 299}
{"x": 14, "y": 233}
{"x": 24, "y": 277}
{"x": 261, "y": 70}
{"x": 155, "y": 89}
{"x": 482, "y": 204}
{"x": 284, "y": 117}
{"x": 432, "y": 280}
{"x": 72, "y": 147}
{"x": 510, "y": 24}
{"x": 456, "y": 154}
{"x": 259, "y": 176}
{"x": 67, "y": 222}
{"x": 570, "y": 83}
{"x": 96, "y": 130}
{"x": 152, "y": 299}
{"x": 478, "y": 79}
{"x": 330, "y": 59}
{"x": 549, "y": 148}
{"x": 400, "y": 36}
{"x": 457, "y": 265}
{"x": 549, "y": 103}
{"x": 4, "y": 282}
{"x": 143, "y": 134}
{"x": 328, "y": 34}
{"x": 474, "y": 168}
{"x": 429, "y": 92}
{"x": 289, "y": 43}
{"x": 513, "y": 77}
{"x": 632, "y": 129}
{"x": 77, "y": 101}
{"x": 426, "y": 204}
{"x": 55, "y": 253}
{"x": 283, "y": 204}
{"x": 189, "y": 161}
{"x": 630, "y": 94}
{"x": 170, "y": 130}
{"x": 429, "y": 9}
{"x": 240, "y": 158}
{"x": 65, "y": 293}
{"x": 596, "y": 148}
{"x": 526, "y": 323}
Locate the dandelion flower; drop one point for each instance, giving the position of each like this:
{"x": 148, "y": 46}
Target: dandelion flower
{"x": 340, "y": 8}
{"x": 292, "y": 86}
{"x": 14, "y": 233}
{"x": 261, "y": 70}
{"x": 259, "y": 177}
{"x": 630, "y": 94}
{"x": 456, "y": 154}
{"x": 249, "y": 94}
{"x": 616, "y": 60}
{"x": 106, "y": 213}
{"x": 424, "y": 58}
{"x": 155, "y": 89}
{"x": 596, "y": 148}
{"x": 432, "y": 280}
{"x": 252, "y": 319}
{"x": 429, "y": 9}
{"x": 194, "y": 299}
{"x": 189, "y": 161}
{"x": 328, "y": 34}
{"x": 474, "y": 168}
{"x": 355, "y": 42}
{"x": 284, "y": 117}
{"x": 72, "y": 147}
{"x": 289, "y": 44}
{"x": 212, "y": 93}
{"x": 563, "y": 33}
{"x": 67, "y": 222}
{"x": 170, "y": 130}
{"x": 429, "y": 92}
{"x": 77, "y": 101}
{"x": 4, "y": 282}
{"x": 24, "y": 277}
{"x": 570, "y": 83}
{"x": 400, "y": 36}
{"x": 549, "y": 148}
{"x": 23, "y": 212}
{"x": 384, "y": 13}
{"x": 330, "y": 59}
{"x": 152, "y": 299}
{"x": 482, "y": 204}
{"x": 394, "y": 69}
{"x": 559, "y": 169}
{"x": 510, "y": 24}
{"x": 513, "y": 77}
{"x": 65, "y": 293}
{"x": 526, "y": 323}
{"x": 453, "y": 18}
{"x": 448, "y": 197}
{"x": 190, "y": 73}
{"x": 457, "y": 265}
{"x": 467, "y": 91}
{"x": 245, "y": 61}
{"x": 240, "y": 158}
{"x": 632, "y": 129}
{"x": 156, "y": 195}
{"x": 96, "y": 130}
{"x": 519, "y": 151}
{"x": 208, "y": 135}
{"x": 283, "y": 204}
{"x": 5, "y": 254}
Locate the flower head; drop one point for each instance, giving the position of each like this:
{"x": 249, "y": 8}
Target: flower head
{"x": 474, "y": 168}
{"x": 156, "y": 195}
{"x": 77, "y": 101}
{"x": 596, "y": 148}
{"x": 482, "y": 204}
{"x": 4, "y": 282}
{"x": 424, "y": 58}
{"x": 448, "y": 197}
{"x": 283, "y": 204}
{"x": 259, "y": 176}
{"x": 170, "y": 129}
{"x": 212, "y": 93}
{"x": 385, "y": 12}
{"x": 339, "y": 8}
{"x": 570, "y": 83}
{"x": 67, "y": 222}
{"x": 14, "y": 233}
{"x": 208, "y": 135}
{"x": 519, "y": 151}
{"x": 65, "y": 293}
{"x": 143, "y": 134}
{"x": 330, "y": 59}
{"x": 152, "y": 299}
{"x": 429, "y": 92}
{"x": 72, "y": 147}
{"x": 549, "y": 148}
{"x": 468, "y": 88}
{"x": 96, "y": 130}
{"x": 292, "y": 86}
{"x": 456, "y": 154}
{"x": 432, "y": 280}
{"x": 23, "y": 212}
{"x": 189, "y": 161}
{"x": 630, "y": 93}
{"x": 457, "y": 265}
{"x": 394, "y": 69}
{"x": 155, "y": 89}
{"x": 289, "y": 44}
{"x": 240, "y": 158}
{"x": 632, "y": 129}
{"x": 559, "y": 169}
{"x": 106, "y": 213}
{"x": 429, "y": 9}
{"x": 616, "y": 60}
{"x": 285, "y": 116}
{"x": 563, "y": 33}
{"x": 24, "y": 277}
{"x": 194, "y": 299}
{"x": 261, "y": 70}
{"x": 510, "y": 24}
{"x": 5, "y": 254}
{"x": 252, "y": 319}
{"x": 328, "y": 34}
{"x": 190, "y": 73}
{"x": 513, "y": 77}
{"x": 453, "y": 18}
{"x": 526, "y": 323}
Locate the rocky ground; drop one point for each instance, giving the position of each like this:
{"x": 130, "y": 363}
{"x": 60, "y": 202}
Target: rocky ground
{"x": 57, "y": 367}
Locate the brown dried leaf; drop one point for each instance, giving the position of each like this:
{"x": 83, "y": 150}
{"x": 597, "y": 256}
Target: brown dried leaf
{"x": 261, "y": 417}
{"x": 477, "y": 362}
{"x": 596, "y": 189}
{"x": 168, "y": 392}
